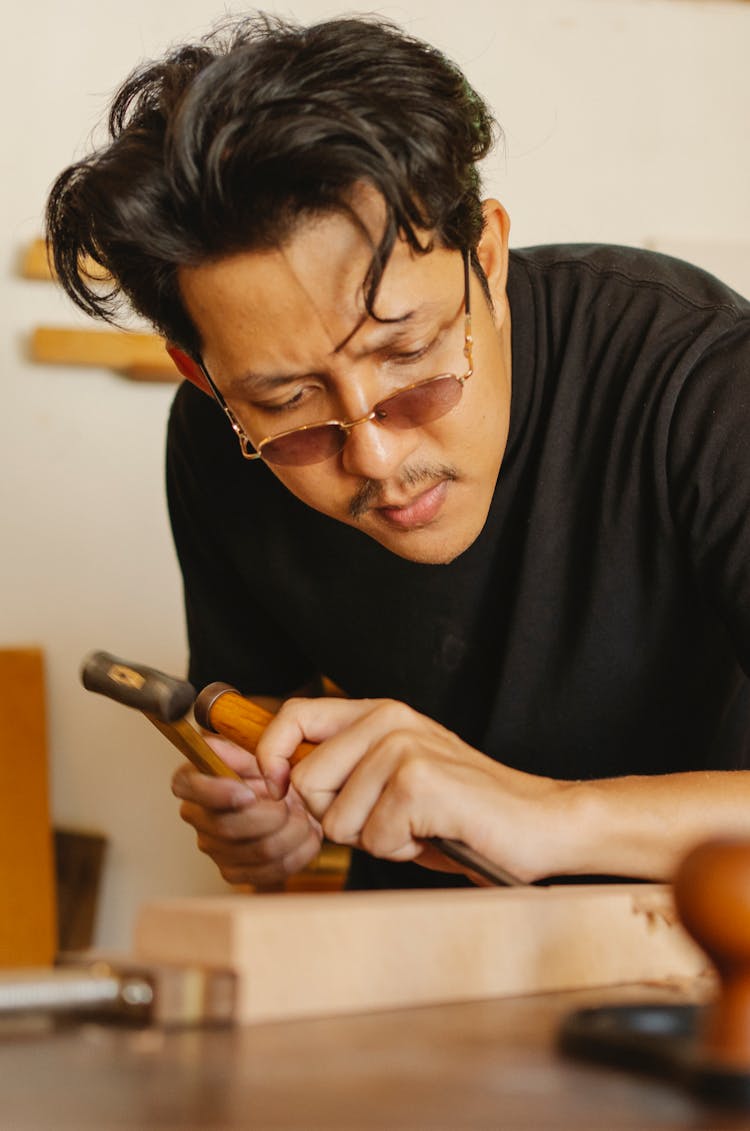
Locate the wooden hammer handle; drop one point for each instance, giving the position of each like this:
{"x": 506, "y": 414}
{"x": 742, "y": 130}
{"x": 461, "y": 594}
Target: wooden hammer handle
{"x": 222, "y": 709}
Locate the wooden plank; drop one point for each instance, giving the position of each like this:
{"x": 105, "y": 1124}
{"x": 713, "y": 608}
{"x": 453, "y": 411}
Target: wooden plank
{"x": 27, "y": 886}
{"x": 302, "y": 955}
{"x": 139, "y": 356}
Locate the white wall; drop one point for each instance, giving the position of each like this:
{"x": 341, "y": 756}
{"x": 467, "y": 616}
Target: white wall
{"x": 625, "y": 120}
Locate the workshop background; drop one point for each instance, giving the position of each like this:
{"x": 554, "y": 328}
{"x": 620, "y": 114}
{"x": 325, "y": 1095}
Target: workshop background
{"x": 625, "y": 121}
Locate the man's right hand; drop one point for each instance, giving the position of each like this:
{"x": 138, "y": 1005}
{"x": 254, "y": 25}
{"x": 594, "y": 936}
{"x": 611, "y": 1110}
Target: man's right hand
{"x": 251, "y": 838}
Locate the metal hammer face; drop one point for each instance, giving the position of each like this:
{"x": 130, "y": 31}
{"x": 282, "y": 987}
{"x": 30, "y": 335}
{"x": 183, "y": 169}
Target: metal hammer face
{"x": 135, "y": 685}
{"x": 163, "y": 699}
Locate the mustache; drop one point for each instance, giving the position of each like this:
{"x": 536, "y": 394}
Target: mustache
{"x": 372, "y": 490}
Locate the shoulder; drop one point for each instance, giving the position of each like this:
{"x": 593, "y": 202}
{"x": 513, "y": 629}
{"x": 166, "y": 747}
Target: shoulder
{"x": 636, "y": 323}
{"x": 580, "y": 271}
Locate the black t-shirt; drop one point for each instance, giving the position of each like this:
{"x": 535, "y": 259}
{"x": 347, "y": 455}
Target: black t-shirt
{"x": 600, "y": 623}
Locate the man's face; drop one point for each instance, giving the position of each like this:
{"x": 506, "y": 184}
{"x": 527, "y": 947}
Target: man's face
{"x": 286, "y": 339}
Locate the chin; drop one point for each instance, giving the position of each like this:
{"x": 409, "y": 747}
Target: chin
{"x": 425, "y": 547}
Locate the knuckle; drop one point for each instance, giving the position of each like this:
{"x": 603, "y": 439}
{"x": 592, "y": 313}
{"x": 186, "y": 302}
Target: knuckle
{"x": 415, "y": 766}
{"x": 304, "y": 780}
{"x": 402, "y": 741}
{"x": 336, "y": 829}
{"x": 298, "y": 776}
{"x": 187, "y": 813}
{"x": 369, "y": 842}
{"x": 331, "y": 826}
{"x": 395, "y": 714}
{"x": 290, "y": 706}
{"x": 412, "y": 775}
{"x": 234, "y": 874}
{"x": 266, "y": 851}
{"x": 205, "y": 845}
{"x": 181, "y": 785}
{"x": 221, "y": 827}
{"x": 293, "y": 701}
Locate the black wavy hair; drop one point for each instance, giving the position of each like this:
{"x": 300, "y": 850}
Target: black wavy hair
{"x": 225, "y": 145}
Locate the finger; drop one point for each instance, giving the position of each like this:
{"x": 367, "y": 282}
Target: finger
{"x": 404, "y": 813}
{"x": 235, "y": 756}
{"x": 302, "y": 720}
{"x": 257, "y": 850}
{"x": 261, "y": 819}
{"x": 369, "y": 746}
{"x": 190, "y": 784}
{"x": 422, "y": 799}
{"x": 273, "y": 871}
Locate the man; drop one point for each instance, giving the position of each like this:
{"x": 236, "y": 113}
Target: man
{"x": 500, "y": 499}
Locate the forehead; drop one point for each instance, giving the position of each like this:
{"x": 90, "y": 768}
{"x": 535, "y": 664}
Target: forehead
{"x": 297, "y": 303}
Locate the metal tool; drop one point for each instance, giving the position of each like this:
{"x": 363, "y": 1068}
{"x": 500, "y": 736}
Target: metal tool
{"x": 101, "y": 989}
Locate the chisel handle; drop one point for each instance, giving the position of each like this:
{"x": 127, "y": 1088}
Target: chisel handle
{"x": 222, "y": 709}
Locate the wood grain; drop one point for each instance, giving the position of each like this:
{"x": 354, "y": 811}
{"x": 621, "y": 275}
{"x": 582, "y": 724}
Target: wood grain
{"x": 304, "y": 955}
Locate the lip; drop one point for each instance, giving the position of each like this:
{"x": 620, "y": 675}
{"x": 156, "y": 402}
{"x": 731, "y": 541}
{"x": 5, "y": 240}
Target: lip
{"x": 419, "y": 511}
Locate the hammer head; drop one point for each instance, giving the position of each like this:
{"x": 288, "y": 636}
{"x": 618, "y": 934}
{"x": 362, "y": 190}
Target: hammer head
{"x": 136, "y": 685}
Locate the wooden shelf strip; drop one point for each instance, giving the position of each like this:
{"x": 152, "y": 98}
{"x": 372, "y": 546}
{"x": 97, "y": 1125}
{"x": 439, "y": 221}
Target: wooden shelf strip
{"x": 141, "y": 357}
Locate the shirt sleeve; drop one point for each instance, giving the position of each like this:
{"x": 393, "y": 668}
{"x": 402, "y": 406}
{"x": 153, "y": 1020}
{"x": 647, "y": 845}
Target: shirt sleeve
{"x": 709, "y": 480}
{"x": 233, "y": 635}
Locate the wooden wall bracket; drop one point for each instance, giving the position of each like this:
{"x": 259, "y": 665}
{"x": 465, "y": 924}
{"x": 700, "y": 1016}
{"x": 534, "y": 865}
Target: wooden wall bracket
{"x": 142, "y": 357}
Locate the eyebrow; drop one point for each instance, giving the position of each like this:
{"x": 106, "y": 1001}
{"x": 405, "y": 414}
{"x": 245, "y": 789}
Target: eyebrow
{"x": 396, "y": 329}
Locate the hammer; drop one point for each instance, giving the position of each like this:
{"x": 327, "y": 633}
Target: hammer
{"x": 165, "y": 701}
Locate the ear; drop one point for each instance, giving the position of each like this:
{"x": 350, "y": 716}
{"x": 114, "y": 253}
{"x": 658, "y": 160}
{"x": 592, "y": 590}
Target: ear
{"x": 189, "y": 368}
{"x": 492, "y": 249}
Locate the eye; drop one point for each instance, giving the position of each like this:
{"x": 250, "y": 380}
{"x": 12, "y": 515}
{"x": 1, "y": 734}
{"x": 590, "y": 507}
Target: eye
{"x": 411, "y": 355}
{"x": 406, "y": 357}
{"x": 300, "y": 396}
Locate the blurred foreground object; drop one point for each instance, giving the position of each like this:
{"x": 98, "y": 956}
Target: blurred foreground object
{"x": 28, "y": 934}
{"x": 703, "y": 1048}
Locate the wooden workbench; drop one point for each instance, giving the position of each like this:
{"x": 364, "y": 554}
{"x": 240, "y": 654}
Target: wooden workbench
{"x": 486, "y": 1064}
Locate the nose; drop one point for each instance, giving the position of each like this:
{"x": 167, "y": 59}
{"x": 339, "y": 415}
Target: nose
{"x": 375, "y": 451}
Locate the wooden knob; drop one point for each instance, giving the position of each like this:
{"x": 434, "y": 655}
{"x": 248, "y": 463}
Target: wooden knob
{"x": 712, "y": 894}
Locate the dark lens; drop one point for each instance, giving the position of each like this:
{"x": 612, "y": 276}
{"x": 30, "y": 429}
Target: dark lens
{"x": 307, "y": 445}
{"x": 425, "y": 402}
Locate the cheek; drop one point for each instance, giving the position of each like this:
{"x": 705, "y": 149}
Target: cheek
{"x": 492, "y": 368}
{"x": 487, "y": 434}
